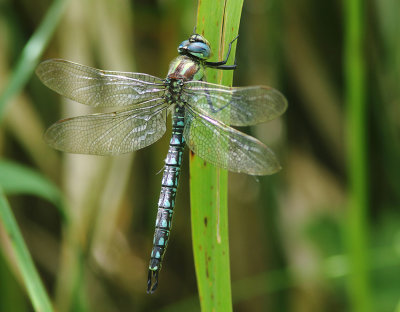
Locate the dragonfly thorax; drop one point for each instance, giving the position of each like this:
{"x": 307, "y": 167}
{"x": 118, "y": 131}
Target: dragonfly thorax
{"x": 186, "y": 68}
{"x": 174, "y": 90}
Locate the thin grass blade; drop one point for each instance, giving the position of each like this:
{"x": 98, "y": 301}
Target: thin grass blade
{"x": 33, "y": 284}
{"x": 31, "y": 53}
{"x": 356, "y": 228}
{"x": 18, "y": 179}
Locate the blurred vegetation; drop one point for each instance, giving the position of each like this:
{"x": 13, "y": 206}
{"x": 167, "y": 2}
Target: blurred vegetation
{"x": 298, "y": 239}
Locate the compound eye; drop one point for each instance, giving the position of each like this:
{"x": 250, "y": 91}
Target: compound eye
{"x": 183, "y": 44}
{"x": 199, "y": 49}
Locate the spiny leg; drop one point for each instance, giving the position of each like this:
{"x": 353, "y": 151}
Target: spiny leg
{"x": 221, "y": 64}
{"x": 210, "y": 104}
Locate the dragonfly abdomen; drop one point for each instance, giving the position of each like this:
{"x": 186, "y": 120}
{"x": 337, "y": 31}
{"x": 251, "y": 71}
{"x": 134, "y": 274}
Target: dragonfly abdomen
{"x": 166, "y": 201}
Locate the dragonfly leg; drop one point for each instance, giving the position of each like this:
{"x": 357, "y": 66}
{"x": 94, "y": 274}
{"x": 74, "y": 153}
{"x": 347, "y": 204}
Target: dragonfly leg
{"x": 210, "y": 104}
{"x": 151, "y": 287}
{"x": 221, "y": 64}
{"x": 226, "y": 67}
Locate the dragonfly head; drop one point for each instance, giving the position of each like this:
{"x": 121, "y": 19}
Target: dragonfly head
{"x": 196, "y": 46}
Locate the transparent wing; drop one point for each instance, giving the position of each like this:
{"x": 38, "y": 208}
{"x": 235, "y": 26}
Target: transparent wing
{"x": 226, "y": 147}
{"x": 109, "y": 133}
{"x": 244, "y": 106}
{"x": 98, "y": 88}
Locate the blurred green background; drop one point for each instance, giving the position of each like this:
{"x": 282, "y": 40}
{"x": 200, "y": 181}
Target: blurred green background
{"x": 321, "y": 235}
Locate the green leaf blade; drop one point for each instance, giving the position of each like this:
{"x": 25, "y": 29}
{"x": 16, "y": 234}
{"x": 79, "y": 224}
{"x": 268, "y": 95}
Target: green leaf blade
{"x": 218, "y": 21}
{"x": 18, "y": 179}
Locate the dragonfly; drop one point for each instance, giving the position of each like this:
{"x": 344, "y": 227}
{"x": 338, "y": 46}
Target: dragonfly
{"x": 202, "y": 118}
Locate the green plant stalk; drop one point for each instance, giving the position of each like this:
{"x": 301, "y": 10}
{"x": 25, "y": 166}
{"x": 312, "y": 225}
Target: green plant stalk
{"x": 18, "y": 179}
{"x": 356, "y": 228}
{"x": 219, "y": 22}
{"x": 33, "y": 284}
{"x": 12, "y": 297}
{"x": 31, "y": 53}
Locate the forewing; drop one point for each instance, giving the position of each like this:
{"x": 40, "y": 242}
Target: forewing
{"x": 108, "y": 133}
{"x": 98, "y": 88}
{"x": 244, "y": 106}
{"x": 226, "y": 147}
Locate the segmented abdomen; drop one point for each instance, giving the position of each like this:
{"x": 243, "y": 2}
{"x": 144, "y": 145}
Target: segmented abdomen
{"x": 169, "y": 185}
